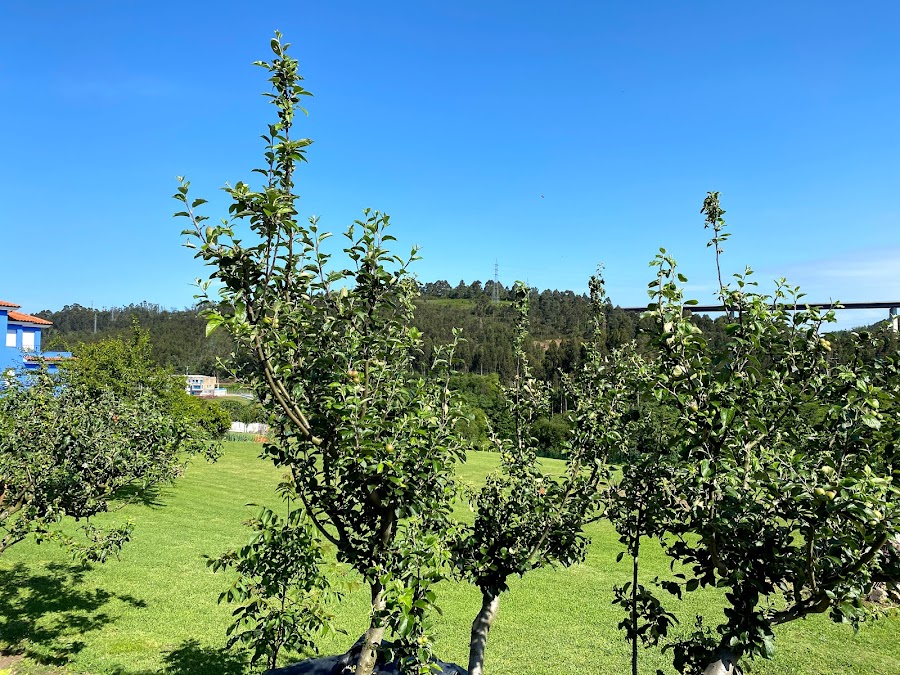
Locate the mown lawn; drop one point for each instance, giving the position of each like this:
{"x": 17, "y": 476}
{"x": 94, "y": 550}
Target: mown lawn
{"x": 155, "y": 609}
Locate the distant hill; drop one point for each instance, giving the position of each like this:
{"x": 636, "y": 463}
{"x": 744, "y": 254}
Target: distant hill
{"x": 178, "y": 336}
{"x": 560, "y": 322}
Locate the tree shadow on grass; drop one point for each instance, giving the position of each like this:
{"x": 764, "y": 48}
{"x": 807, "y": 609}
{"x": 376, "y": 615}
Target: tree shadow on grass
{"x": 189, "y": 658}
{"x": 44, "y": 613}
{"x": 150, "y": 497}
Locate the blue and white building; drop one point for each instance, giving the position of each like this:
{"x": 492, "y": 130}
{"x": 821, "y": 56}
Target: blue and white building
{"x": 21, "y": 347}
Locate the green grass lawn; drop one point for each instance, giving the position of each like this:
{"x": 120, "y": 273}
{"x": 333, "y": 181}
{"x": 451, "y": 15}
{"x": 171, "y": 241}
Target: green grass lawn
{"x": 155, "y": 609}
{"x": 230, "y": 397}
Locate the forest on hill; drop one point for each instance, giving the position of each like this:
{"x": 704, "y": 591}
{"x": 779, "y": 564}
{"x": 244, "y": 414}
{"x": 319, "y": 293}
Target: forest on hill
{"x": 485, "y": 359}
{"x": 559, "y": 324}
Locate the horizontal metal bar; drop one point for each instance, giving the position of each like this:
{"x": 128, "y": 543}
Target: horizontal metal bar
{"x": 799, "y": 306}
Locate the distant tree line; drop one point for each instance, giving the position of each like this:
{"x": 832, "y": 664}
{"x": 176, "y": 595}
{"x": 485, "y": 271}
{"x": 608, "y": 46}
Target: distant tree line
{"x": 179, "y": 339}
{"x": 485, "y": 360}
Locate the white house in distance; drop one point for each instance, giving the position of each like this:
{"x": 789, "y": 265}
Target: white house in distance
{"x": 201, "y": 385}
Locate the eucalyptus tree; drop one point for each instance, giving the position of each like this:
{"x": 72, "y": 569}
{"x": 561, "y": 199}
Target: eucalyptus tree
{"x": 369, "y": 444}
{"x": 779, "y": 481}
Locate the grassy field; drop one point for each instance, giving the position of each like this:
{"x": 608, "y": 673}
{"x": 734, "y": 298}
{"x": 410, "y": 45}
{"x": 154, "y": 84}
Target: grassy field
{"x": 155, "y": 609}
{"x": 240, "y": 399}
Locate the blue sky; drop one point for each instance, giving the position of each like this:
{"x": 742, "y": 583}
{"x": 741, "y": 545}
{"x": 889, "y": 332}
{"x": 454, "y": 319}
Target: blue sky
{"x": 546, "y": 136}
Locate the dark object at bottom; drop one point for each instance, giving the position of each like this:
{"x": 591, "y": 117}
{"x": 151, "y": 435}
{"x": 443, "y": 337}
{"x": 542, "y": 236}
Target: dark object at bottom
{"x": 345, "y": 663}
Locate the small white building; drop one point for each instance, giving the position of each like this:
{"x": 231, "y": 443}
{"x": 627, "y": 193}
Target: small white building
{"x": 201, "y": 385}
{"x": 251, "y": 428}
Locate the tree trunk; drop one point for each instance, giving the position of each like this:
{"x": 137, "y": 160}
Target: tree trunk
{"x": 373, "y": 636}
{"x": 636, "y": 545}
{"x": 725, "y": 663}
{"x": 481, "y": 626}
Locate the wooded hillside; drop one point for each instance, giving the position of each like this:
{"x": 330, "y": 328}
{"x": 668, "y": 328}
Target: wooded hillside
{"x": 559, "y": 322}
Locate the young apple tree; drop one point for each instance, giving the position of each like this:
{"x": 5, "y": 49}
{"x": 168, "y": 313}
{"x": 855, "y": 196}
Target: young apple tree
{"x": 779, "y": 481}
{"x": 369, "y": 445}
{"x": 524, "y": 518}
{"x": 85, "y": 441}
{"x": 282, "y": 592}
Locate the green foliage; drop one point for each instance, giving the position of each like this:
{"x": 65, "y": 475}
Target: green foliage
{"x": 246, "y": 412}
{"x": 102, "y": 430}
{"x": 125, "y": 366}
{"x": 483, "y": 408}
{"x": 208, "y": 416}
{"x": 122, "y": 367}
{"x": 779, "y": 479}
{"x": 368, "y": 443}
{"x": 473, "y": 428}
{"x": 410, "y": 597}
{"x": 632, "y": 507}
{"x": 524, "y": 519}
{"x": 847, "y": 347}
{"x": 551, "y": 435}
{"x": 513, "y": 509}
{"x": 179, "y": 339}
{"x": 639, "y": 601}
{"x": 241, "y": 437}
{"x": 282, "y": 595}
{"x": 558, "y": 321}
{"x": 484, "y": 411}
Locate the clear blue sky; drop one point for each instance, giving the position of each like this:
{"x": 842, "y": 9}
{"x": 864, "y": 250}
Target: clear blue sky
{"x": 547, "y": 136}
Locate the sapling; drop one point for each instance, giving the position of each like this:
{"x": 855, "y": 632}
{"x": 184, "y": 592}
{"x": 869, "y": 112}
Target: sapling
{"x": 779, "y": 482}
{"x": 282, "y": 592}
{"x": 525, "y": 519}
{"x": 632, "y": 504}
{"x": 369, "y": 444}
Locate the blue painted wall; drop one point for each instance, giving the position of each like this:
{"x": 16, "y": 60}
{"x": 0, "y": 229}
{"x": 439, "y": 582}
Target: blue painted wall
{"x": 11, "y": 356}
{"x": 6, "y": 354}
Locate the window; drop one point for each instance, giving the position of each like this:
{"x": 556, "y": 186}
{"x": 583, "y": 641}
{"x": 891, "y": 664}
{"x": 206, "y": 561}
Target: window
{"x": 28, "y": 340}
{"x": 10, "y": 337}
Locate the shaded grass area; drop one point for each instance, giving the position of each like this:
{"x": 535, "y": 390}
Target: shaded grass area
{"x": 155, "y": 609}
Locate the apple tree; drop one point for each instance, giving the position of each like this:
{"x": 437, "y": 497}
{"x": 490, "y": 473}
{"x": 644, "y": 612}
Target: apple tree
{"x": 779, "y": 481}
{"x": 526, "y": 519}
{"x": 369, "y": 445}
{"x": 89, "y": 439}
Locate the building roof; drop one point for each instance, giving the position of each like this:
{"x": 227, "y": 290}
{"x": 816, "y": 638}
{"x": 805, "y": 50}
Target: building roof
{"x": 4, "y": 303}
{"x": 27, "y": 318}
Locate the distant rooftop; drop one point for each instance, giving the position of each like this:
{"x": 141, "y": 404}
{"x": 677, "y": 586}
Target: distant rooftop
{"x": 28, "y": 318}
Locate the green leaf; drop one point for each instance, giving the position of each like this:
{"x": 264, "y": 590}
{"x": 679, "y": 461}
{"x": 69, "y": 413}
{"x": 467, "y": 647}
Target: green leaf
{"x": 213, "y": 321}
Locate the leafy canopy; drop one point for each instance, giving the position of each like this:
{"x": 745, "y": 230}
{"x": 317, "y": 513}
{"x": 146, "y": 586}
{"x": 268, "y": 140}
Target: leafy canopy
{"x": 102, "y": 431}
{"x": 779, "y": 480}
{"x": 369, "y": 444}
